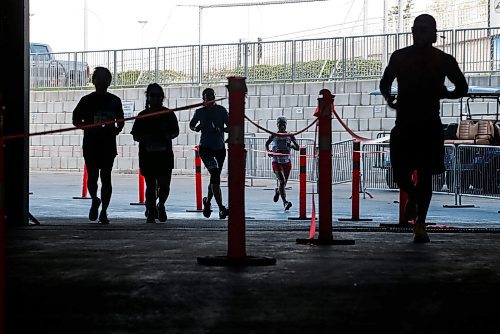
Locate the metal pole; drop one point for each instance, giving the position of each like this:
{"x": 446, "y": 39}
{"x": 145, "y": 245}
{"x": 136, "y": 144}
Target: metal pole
{"x": 85, "y": 25}
{"x": 200, "y": 9}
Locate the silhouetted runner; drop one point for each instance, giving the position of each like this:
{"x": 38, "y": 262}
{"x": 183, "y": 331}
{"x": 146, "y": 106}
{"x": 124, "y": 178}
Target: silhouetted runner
{"x": 212, "y": 121}
{"x": 156, "y": 158}
{"x": 417, "y": 139}
{"x": 99, "y": 143}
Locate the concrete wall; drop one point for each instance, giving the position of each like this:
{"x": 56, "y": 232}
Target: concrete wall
{"x": 366, "y": 114}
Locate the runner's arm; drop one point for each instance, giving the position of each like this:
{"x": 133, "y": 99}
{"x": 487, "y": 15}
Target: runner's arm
{"x": 294, "y": 145}
{"x": 193, "y": 124}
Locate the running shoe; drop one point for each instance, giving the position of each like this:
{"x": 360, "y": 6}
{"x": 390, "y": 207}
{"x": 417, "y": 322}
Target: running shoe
{"x": 276, "y": 196}
{"x": 155, "y": 213}
{"x": 223, "y": 212}
{"x": 162, "y": 214}
{"x": 94, "y": 209}
{"x": 287, "y": 205}
{"x": 103, "y": 218}
{"x": 420, "y": 235}
{"x": 207, "y": 210}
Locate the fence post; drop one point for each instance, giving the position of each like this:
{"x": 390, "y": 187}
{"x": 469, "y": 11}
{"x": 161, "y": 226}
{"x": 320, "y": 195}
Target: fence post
{"x": 236, "y": 253}
{"x": 197, "y": 176}
{"x": 115, "y": 75}
{"x": 141, "y": 190}
{"x": 325, "y": 105}
{"x": 356, "y": 183}
{"x": 157, "y": 64}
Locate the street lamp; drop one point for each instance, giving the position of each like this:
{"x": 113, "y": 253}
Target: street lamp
{"x": 241, "y": 4}
{"x": 142, "y": 23}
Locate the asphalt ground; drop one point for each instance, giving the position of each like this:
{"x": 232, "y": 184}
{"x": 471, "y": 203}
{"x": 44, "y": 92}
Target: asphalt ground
{"x": 69, "y": 275}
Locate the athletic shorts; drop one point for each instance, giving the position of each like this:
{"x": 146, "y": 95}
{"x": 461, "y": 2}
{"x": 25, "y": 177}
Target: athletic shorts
{"x": 418, "y": 146}
{"x": 213, "y": 159}
{"x": 285, "y": 168}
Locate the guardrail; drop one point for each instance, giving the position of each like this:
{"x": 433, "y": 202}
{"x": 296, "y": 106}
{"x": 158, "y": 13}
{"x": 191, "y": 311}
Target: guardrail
{"x": 326, "y": 59}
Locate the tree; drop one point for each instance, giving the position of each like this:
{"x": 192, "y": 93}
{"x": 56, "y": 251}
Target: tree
{"x": 393, "y": 17}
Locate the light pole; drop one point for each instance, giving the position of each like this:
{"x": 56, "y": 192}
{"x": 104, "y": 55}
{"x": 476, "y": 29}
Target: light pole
{"x": 241, "y": 4}
{"x": 85, "y": 25}
{"x": 142, "y": 23}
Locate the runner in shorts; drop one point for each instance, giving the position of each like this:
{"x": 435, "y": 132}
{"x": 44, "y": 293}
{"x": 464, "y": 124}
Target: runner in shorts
{"x": 212, "y": 121}
{"x": 417, "y": 139}
{"x": 282, "y": 164}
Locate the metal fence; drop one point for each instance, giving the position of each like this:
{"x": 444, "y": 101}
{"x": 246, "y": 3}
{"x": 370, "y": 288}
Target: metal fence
{"x": 471, "y": 170}
{"x": 258, "y": 164}
{"x": 340, "y": 58}
{"x": 478, "y": 171}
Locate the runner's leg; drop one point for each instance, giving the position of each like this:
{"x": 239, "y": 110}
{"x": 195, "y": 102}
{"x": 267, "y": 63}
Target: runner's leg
{"x": 93, "y": 176}
{"x": 424, "y": 193}
{"x": 106, "y": 188}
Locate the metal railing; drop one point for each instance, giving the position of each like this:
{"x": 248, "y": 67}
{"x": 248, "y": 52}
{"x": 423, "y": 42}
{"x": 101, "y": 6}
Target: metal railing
{"x": 258, "y": 163}
{"x": 471, "y": 170}
{"x": 339, "y": 58}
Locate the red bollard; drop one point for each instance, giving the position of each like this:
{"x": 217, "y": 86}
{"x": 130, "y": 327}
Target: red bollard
{"x": 325, "y": 105}
{"x": 197, "y": 173}
{"x": 236, "y": 252}
{"x": 403, "y": 197}
{"x": 84, "y": 184}
{"x": 141, "y": 190}
{"x": 302, "y": 185}
{"x": 356, "y": 183}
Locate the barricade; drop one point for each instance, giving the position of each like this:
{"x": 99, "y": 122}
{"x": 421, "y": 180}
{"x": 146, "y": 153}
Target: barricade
{"x": 356, "y": 184}
{"x": 342, "y": 161}
{"x": 478, "y": 172}
{"x": 259, "y": 166}
{"x": 377, "y": 169}
{"x": 197, "y": 176}
{"x": 84, "y": 184}
{"x": 141, "y": 189}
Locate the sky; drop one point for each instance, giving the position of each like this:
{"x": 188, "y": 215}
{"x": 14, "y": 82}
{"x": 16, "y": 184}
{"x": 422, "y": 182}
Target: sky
{"x": 113, "y": 24}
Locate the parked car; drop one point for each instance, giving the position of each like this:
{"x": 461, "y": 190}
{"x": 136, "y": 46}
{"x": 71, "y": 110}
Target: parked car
{"x": 49, "y": 69}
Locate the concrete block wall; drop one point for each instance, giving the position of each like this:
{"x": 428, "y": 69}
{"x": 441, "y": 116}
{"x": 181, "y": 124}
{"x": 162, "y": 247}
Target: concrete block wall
{"x": 366, "y": 114}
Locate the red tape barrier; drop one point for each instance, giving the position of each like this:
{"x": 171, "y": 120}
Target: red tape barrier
{"x": 95, "y": 125}
{"x": 278, "y": 134}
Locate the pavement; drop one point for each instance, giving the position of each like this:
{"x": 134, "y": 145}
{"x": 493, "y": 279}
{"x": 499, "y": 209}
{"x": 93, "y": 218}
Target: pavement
{"x": 69, "y": 275}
